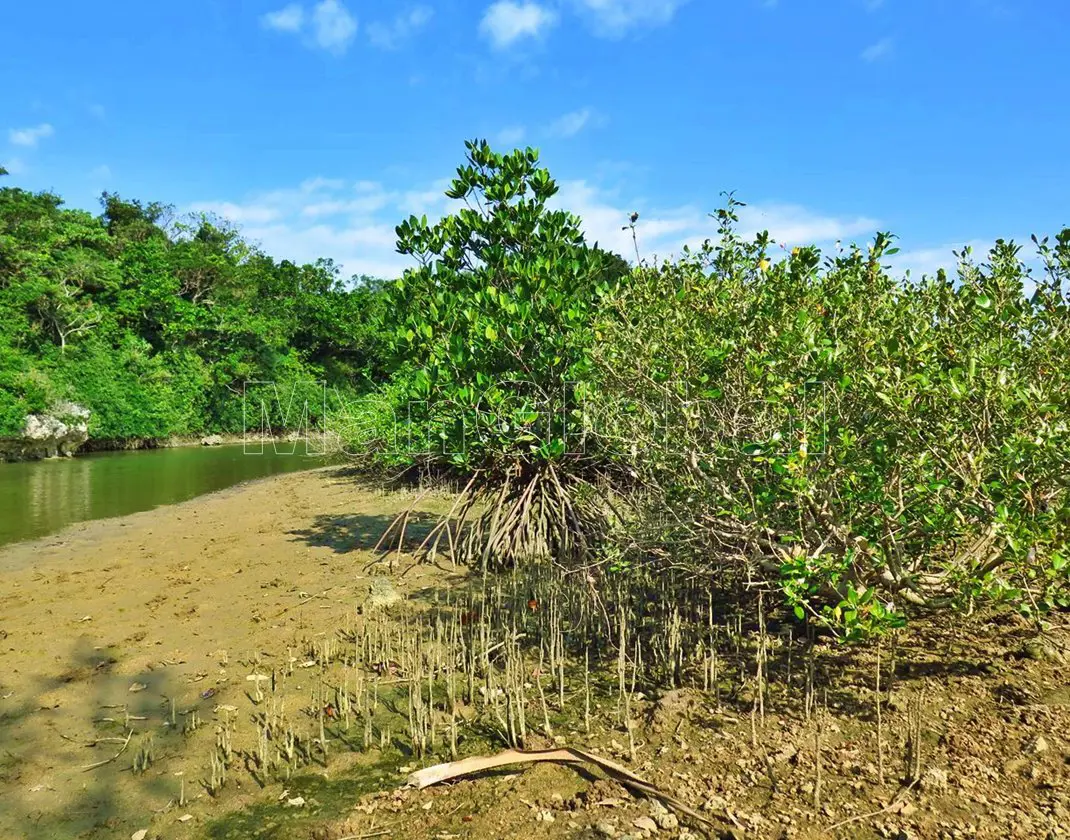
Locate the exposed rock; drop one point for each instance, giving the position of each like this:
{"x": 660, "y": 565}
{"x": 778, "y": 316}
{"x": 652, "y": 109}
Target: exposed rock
{"x": 1038, "y": 746}
{"x": 212, "y": 440}
{"x": 60, "y": 432}
{"x": 934, "y": 780}
{"x": 1043, "y": 649}
{"x": 381, "y": 593}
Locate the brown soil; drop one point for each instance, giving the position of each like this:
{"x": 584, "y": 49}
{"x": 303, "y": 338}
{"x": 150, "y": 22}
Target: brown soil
{"x": 115, "y": 619}
{"x": 173, "y": 600}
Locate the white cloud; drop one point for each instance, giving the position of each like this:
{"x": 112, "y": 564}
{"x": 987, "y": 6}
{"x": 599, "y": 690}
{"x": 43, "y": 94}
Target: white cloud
{"x": 100, "y": 173}
{"x": 922, "y": 262}
{"x": 330, "y": 26}
{"x": 30, "y": 136}
{"x": 14, "y": 166}
{"x": 792, "y": 224}
{"x": 613, "y": 18}
{"x": 353, "y": 222}
{"x": 350, "y": 222}
{"x": 311, "y": 185}
{"x": 663, "y": 232}
{"x": 875, "y": 52}
{"x": 431, "y": 201}
{"x": 511, "y": 135}
{"x": 570, "y": 124}
{"x": 288, "y": 19}
{"x": 506, "y": 21}
{"x": 925, "y": 261}
{"x": 238, "y": 213}
{"x": 390, "y": 35}
{"x": 333, "y": 26}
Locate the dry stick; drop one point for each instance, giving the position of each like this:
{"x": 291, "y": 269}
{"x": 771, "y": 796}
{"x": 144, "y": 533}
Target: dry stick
{"x": 587, "y": 690}
{"x": 915, "y": 736}
{"x": 859, "y": 817}
{"x": 817, "y": 757}
{"x": 122, "y": 749}
{"x": 566, "y": 755}
{"x": 880, "y": 730}
{"x": 304, "y": 601}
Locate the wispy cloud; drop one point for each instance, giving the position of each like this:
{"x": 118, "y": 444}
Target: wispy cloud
{"x": 614, "y": 18}
{"x": 875, "y": 52}
{"x": 288, "y": 19}
{"x": 506, "y": 22}
{"x": 353, "y": 222}
{"x": 30, "y": 137}
{"x": 239, "y": 214}
{"x": 14, "y": 166}
{"x": 511, "y": 135}
{"x": 920, "y": 262}
{"x": 333, "y": 26}
{"x": 793, "y": 224}
{"x": 663, "y": 232}
{"x": 329, "y": 26}
{"x": 571, "y": 124}
{"x": 390, "y": 35}
{"x": 100, "y": 173}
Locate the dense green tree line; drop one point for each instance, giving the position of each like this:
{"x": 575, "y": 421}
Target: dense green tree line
{"x": 863, "y": 444}
{"x": 155, "y": 323}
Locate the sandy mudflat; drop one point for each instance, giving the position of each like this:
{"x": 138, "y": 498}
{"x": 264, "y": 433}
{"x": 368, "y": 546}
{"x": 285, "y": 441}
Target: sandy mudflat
{"x": 172, "y": 599}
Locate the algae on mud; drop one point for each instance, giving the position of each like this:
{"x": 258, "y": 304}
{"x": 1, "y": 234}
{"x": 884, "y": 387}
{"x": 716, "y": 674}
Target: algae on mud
{"x": 323, "y": 799}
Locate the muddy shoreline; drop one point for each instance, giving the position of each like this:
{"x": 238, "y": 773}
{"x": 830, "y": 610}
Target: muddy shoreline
{"x": 158, "y": 606}
{"x": 116, "y": 634}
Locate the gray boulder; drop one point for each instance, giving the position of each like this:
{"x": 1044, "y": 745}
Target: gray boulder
{"x": 58, "y": 433}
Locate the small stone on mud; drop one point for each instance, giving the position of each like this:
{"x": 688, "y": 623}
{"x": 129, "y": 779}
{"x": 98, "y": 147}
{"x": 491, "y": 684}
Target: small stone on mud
{"x": 934, "y": 779}
{"x": 667, "y": 821}
{"x": 1038, "y": 746}
{"x": 381, "y": 593}
{"x": 606, "y": 829}
{"x": 646, "y": 824}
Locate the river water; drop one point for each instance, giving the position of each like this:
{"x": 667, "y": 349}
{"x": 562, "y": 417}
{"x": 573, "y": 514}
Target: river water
{"x": 38, "y": 498}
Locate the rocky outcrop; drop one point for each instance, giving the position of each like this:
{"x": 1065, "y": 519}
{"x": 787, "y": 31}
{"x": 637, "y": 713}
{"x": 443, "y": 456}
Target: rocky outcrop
{"x": 60, "y": 432}
{"x": 212, "y": 440}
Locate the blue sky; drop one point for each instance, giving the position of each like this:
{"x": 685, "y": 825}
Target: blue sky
{"x": 317, "y": 125}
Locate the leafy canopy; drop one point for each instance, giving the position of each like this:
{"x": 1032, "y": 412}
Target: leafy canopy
{"x": 496, "y": 322}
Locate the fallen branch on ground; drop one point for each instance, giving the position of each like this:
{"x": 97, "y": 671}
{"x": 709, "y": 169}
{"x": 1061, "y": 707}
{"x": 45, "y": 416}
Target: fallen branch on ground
{"x": 122, "y": 749}
{"x": 566, "y": 755}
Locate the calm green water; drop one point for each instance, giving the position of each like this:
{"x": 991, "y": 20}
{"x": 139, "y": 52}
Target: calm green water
{"x": 38, "y": 498}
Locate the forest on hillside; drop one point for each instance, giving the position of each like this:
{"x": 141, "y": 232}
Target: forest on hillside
{"x": 154, "y": 322}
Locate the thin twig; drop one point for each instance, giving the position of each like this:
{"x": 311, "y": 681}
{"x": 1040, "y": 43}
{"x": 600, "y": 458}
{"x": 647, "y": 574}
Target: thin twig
{"x": 122, "y": 749}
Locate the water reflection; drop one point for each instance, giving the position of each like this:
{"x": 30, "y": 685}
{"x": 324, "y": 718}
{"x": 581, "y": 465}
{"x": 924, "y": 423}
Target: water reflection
{"x": 41, "y": 497}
